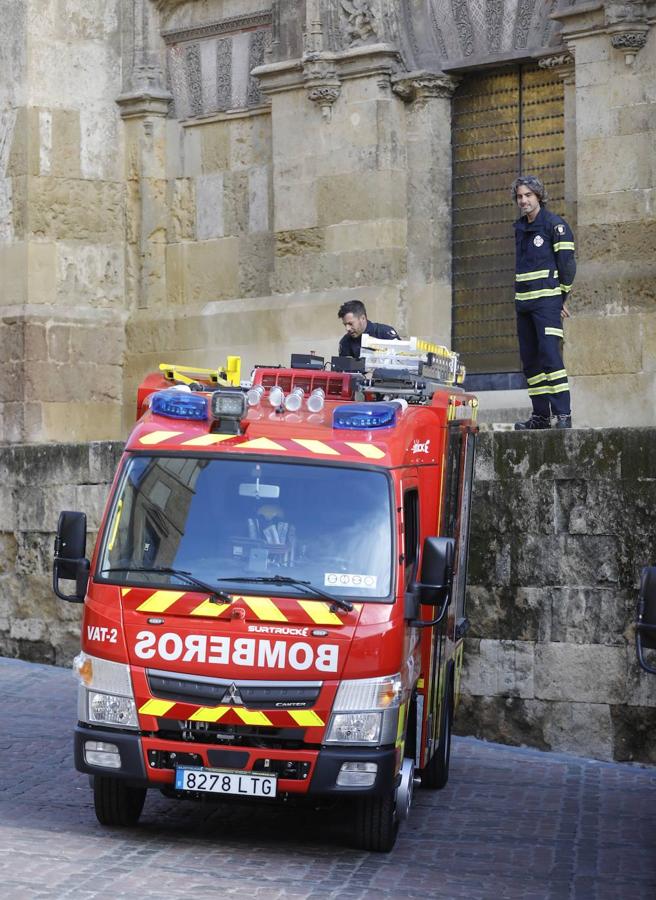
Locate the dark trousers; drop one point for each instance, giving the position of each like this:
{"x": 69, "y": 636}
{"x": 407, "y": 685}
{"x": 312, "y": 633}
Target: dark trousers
{"x": 540, "y": 333}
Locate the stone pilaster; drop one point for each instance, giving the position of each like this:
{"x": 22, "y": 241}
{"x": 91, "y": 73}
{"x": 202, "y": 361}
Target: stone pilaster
{"x": 610, "y": 347}
{"x": 427, "y": 293}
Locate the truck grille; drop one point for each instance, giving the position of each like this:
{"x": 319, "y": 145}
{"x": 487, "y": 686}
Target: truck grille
{"x": 215, "y": 691}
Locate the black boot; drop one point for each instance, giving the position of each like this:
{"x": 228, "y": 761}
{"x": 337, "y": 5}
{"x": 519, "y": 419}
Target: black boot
{"x": 563, "y": 421}
{"x": 534, "y": 423}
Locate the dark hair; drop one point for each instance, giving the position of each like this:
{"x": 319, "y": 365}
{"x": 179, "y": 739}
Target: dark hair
{"x": 351, "y": 306}
{"x": 533, "y": 183}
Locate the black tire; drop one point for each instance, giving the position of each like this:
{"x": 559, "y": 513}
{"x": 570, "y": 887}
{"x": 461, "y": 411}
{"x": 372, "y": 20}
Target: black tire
{"x": 115, "y": 802}
{"x": 376, "y": 823}
{"x": 436, "y": 774}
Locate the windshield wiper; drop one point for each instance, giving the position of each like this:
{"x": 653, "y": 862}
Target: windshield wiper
{"x": 294, "y": 582}
{"x": 216, "y": 595}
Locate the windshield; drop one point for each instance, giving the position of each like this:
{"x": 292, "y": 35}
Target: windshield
{"x": 224, "y": 519}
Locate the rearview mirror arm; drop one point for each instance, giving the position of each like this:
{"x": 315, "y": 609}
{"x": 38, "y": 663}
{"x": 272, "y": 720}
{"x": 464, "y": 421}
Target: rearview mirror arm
{"x": 419, "y": 623}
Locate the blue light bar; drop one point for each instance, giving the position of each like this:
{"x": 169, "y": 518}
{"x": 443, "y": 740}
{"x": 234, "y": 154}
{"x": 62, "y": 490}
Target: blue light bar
{"x": 365, "y": 415}
{"x": 179, "y": 405}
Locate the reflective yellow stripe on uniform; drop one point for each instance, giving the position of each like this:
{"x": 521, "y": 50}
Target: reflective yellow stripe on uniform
{"x": 563, "y": 245}
{"x": 566, "y": 288}
{"x": 531, "y": 276}
{"x": 548, "y": 389}
{"x": 558, "y": 332}
{"x": 534, "y": 295}
{"x": 535, "y": 379}
{"x": 553, "y": 376}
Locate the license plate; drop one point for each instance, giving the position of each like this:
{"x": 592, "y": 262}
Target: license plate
{"x": 220, "y": 781}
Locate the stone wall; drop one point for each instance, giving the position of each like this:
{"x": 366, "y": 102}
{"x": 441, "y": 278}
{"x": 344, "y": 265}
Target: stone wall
{"x": 61, "y": 221}
{"x": 562, "y": 524}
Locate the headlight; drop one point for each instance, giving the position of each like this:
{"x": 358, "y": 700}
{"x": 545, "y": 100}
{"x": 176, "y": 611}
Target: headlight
{"x": 105, "y": 694}
{"x": 366, "y": 711}
{"x": 110, "y": 709}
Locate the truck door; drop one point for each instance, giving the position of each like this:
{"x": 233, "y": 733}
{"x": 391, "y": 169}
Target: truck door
{"x": 456, "y": 523}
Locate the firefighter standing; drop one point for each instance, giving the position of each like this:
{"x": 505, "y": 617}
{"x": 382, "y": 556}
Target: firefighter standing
{"x": 354, "y": 318}
{"x": 544, "y": 272}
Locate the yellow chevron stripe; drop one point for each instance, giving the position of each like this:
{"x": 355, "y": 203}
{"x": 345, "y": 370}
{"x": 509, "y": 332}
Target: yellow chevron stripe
{"x": 208, "y": 713}
{"x": 320, "y": 613}
{"x": 305, "y": 717}
{"x": 160, "y": 601}
{"x": 209, "y": 609}
{"x": 252, "y": 716}
{"x": 400, "y": 728}
{"x": 530, "y": 276}
{"x": 125, "y": 591}
{"x": 206, "y": 440}
{"x": 156, "y": 707}
{"x": 366, "y": 450}
{"x": 158, "y": 437}
{"x": 316, "y": 446}
{"x": 262, "y": 443}
{"x": 264, "y": 608}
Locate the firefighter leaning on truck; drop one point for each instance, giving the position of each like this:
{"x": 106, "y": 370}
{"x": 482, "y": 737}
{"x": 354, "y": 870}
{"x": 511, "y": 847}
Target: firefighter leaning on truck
{"x": 544, "y": 273}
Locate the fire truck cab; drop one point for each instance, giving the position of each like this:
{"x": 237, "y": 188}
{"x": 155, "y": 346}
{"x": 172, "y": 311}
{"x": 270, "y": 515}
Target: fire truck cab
{"x": 275, "y": 605}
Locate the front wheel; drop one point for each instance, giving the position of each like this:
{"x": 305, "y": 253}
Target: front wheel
{"x": 436, "y": 773}
{"x": 376, "y": 823}
{"x": 115, "y": 802}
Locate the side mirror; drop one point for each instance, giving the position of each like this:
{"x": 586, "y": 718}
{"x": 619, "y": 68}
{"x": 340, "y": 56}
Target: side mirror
{"x": 436, "y": 570}
{"x": 70, "y": 562}
{"x": 646, "y": 616}
{"x": 434, "y": 589}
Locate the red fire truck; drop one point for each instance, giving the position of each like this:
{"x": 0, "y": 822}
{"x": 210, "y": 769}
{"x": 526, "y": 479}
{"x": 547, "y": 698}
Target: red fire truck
{"x": 275, "y": 605}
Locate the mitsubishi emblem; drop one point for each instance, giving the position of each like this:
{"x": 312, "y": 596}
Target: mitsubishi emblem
{"x": 233, "y": 696}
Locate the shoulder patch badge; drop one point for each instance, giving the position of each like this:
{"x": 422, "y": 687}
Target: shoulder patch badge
{"x": 560, "y": 229}
{"x": 538, "y": 240}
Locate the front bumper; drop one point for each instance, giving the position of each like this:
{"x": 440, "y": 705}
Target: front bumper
{"x": 141, "y": 762}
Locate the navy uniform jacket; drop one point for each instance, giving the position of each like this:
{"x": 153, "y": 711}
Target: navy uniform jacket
{"x": 544, "y": 259}
{"x": 350, "y": 346}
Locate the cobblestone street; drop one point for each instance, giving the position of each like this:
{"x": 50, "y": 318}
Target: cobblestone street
{"x": 512, "y": 823}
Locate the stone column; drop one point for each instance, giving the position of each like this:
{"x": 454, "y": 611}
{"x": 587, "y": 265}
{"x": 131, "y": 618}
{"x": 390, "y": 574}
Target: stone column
{"x": 144, "y": 105}
{"x": 428, "y": 295}
{"x": 611, "y": 338}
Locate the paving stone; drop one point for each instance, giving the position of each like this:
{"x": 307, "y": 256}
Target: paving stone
{"x": 512, "y": 824}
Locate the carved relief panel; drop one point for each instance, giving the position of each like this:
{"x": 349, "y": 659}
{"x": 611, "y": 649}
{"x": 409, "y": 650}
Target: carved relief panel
{"x": 209, "y": 66}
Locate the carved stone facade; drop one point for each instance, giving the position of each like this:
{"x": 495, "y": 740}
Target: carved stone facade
{"x": 211, "y": 178}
